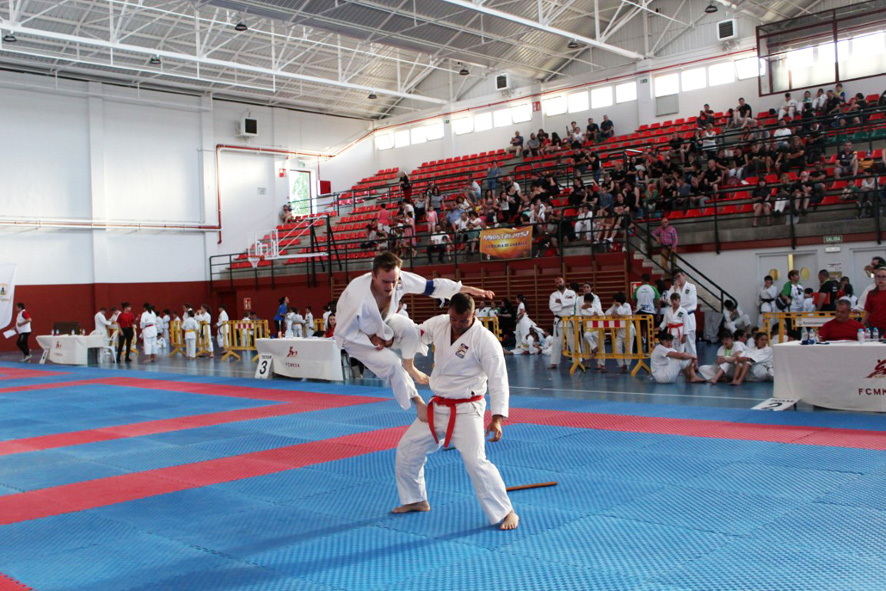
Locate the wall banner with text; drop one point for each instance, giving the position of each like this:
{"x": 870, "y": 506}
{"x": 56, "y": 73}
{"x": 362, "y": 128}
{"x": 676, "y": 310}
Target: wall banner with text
{"x": 506, "y": 243}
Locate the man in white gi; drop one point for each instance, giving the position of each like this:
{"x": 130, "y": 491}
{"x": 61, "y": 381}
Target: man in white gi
{"x": 755, "y": 365}
{"x": 668, "y": 363}
{"x": 204, "y": 321}
{"x": 222, "y": 324}
{"x": 148, "y": 326}
{"x": 591, "y": 308}
{"x": 689, "y": 302}
{"x": 624, "y": 335}
{"x": 367, "y": 323}
{"x": 102, "y": 324}
{"x": 309, "y": 323}
{"x": 680, "y": 324}
{"x": 467, "y": 359}
{"x": 727, "y": 354}
{"x": 562, "y": 304}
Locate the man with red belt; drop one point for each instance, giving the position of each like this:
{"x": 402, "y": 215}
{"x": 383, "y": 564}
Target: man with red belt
{"x": 875, "y": 304}
{"x": 467, "y": 359}
{"x": 842, "y": 327}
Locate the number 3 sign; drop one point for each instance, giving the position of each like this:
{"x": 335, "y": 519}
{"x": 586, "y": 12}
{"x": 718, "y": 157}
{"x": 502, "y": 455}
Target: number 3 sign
{"x": 263, "y": 370}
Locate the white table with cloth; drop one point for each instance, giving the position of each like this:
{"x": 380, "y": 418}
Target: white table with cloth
{"x": 318, "y": 359}
{"x": 70, "y": 349}
{"x": 844, "y": 375}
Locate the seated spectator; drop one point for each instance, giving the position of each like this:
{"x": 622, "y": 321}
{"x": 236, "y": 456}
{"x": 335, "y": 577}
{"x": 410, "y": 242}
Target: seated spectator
{"x": 856, "y": 112}
{"x": 607, "y": 129}
{"x": 584, "y": 223}
{"x": 842, "y": 327}
{"x": 818, "y": 176}
{"x": 709, "y": 141}
{"x": 453, "y": 217}
{"x": 818, "y": 103}
{"x": 726, "y": 356}
{"x": 832, "y": 105}
{"x": 807, "y": 111}
{"x": 762, "y": 196}
{"x": 492, "y": 176}
{"x": 371, "y": 238}
{"x": 667, "y": 363}
{"x": 781, "y": 136}
{"x": 474, "y": 191}
{"x": 847, "y": 162}
{"x": 788, "y": 107}
{"x": 755, "y": 365}
{"x": 405, "y": 185}
{"x": 592, "y": 131}
{"x": 532, "y": 146}
{"x": 705, "y": 117}
{"x": 516, "y": 145}
{"x": 435, "y": 197}
{"x": 286, "y": 214}
{"x": 743, "y": 114}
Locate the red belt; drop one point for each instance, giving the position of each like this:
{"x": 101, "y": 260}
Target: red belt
{"x": 451, "y": 403}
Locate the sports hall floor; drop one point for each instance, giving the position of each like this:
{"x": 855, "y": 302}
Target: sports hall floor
{"x": 194, "y": 476}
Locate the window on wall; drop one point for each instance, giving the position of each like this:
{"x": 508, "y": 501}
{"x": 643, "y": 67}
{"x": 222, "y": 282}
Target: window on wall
{"x": 721, "y": 74}
{"x": 483, "y": 121}
{"x": 578, "y": 102}
{"x": 801, "y": 58}
{"x": 626, "y": 92}
{"x": 872, "y": 44}
{"x": 434, "y": 130}
{"x": 401, "y": 138}
{"x": 601, "y": 97}
{"x": 693, "y": 79}
{"x": 417, "y": 135}
{"x": 384, "y": 141}
{"x": 556, "y": 105}
{"x": 750, "y": 67}
{"x": 501, "y": 118}
{"x": 521, "y": 113}
{"x": 463, "y": 125}
{"x": 667, "y": 84}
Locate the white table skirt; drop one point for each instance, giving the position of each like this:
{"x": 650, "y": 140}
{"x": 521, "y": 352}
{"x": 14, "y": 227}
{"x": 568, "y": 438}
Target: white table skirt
{"x": 69, "y": 349}
{"x": 318, "y": 359}
{"x": 844, "y": 375}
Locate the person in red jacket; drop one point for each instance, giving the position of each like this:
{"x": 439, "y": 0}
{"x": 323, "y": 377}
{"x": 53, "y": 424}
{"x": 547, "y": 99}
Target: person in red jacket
{"x": 125, "y": 321}
{"x": 842, "y": 327}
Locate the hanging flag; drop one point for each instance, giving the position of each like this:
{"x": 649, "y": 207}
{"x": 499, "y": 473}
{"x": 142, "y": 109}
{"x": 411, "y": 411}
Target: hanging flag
{"x": 7, "y": 292}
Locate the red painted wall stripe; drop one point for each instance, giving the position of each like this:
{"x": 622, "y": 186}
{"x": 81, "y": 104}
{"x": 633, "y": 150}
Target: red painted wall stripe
{"x": 80, "y": 496}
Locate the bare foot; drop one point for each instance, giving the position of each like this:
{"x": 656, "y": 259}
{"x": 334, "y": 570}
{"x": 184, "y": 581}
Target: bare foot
{"x": 511, "y": 521}
{"x": 413, "y": 507}
{"x": 697, "y": 380}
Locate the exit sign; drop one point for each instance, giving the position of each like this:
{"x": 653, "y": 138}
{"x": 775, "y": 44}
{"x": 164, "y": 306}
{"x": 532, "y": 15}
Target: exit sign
{"x": 833, "y": 239}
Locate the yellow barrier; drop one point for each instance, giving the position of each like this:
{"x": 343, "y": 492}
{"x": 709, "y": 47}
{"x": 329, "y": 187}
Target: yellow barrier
{"x": 176, "y": 338}
{"x": 491, "y": 322}
{"x": 204, "y": 339}
{"x": 241, "y": 336}
{"x": 588, "y": 330}
{"x": 785, "y": 320}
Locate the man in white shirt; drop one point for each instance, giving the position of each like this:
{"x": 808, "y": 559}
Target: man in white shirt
{"x": 584, "y": 224}
{"x": 562, "y": 304}
{"x": 222, "y": 324}
{"x": 102, "y": 324}
{"x": 467, "y": 360}
{"x": 367, "y": 323}
{"x": 309, "y": 322}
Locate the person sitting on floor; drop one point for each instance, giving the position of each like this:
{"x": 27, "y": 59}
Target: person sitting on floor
{"x": 726, "y": 355}
{"x": 668, "y": 363}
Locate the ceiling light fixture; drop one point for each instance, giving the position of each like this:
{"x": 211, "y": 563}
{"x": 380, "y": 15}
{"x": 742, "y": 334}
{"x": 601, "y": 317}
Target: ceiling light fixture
{"x": 710, "y": 8}
{"x": 241, "y": 26}
{"x": 463, "y": 71}
{"x": 9, "y": 38}
{"x": 573, "y": 44}
{"x": 372, "y": 96}
{"x": 155, "y": 60}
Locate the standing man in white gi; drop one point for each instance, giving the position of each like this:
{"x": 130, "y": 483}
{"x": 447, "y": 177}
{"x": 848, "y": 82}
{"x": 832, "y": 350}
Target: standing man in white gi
{"x": 367, "y": 323}
{"x": 102, "y": 324}
{"x": 467, "y": 359}
{"x": 689, "y": 302}
{"x": 222, "y": 324}
{"x": 148, "y": 326}
{"x": 562, "y": 304}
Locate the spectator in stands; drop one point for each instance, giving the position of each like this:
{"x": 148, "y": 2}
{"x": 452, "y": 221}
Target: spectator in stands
{"x": 439, "y": 243}
{"x": 435, "y": 196}
{"x": 832, "y": 105}
{"x": 709, "y": 141}
{"x": 794, "y": 157}
{"x": 286, "y": 214}
{"x": 475, "y": 224}
{"x": 405, "y": 185}
{"x": 584, "y": 223}
{"x": 807, "y": 109}
{"x": 607, "y": 129}
{"x": 788, "y": 107}
{"x": 838, "y": 91}
{"x": 371, "y": 238}
{"x": 816, "y": 140}
{"x": 762, "y": 196}
{"x": 818, "y": 176}
{"x": 867, "y": 185}
{"x": 574, "y": 136}
{"x": 420, "y": 206}
{"x": 743, "y": 114}
{"x": 757, "y": 160}
{"x": 842, "y": 327}
{"x": 516, "y": 144}
{"x": 819, "y": 102}
{"x": 705, "y": 117}
{"x": 847, "y": 162}
{"x": 474, "y": 191}
{"x": 492, "y": 176}
{"x": 453, "y": 216}
{"x": 592, "y": 131}
{"x": 532, "y": 146}
{"x": 781, "y": 136}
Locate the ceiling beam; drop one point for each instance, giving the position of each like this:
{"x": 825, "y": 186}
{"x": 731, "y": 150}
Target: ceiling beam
{"x": 546, "y": 28}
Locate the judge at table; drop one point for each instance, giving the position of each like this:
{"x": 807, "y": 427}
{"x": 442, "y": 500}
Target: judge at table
{"x": 842, "y": 327}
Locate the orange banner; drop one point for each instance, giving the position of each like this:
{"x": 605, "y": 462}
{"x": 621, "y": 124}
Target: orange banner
{"x": 506, "y": 243}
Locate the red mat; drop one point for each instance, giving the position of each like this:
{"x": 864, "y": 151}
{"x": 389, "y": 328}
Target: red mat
{"x": 7, "y": 583}
{"x": 14, "y": 373}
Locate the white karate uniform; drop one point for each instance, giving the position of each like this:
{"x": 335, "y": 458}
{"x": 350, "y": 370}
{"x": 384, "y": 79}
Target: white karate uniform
{"x": 288, "y": 322}
{"x": 206, "y": 317}
{"x": 665, "y": 370}
{"x": 688, "y": 296}
{"x": 326, "y": 316}
{"x": 148, "y": 325}
{"x": 761, "y": 370}
{"x": 590, "y": 335}
{"x": 462, "y": 369}
{"x": 102, "y": 324}
{"x": 679, "y": 322}
{"x": 358, "y": 317}
{"x": 736, "y": 320}
{"x": 189, "y": 327}
{"x": 309, "y": 325}
{"x": 623, "y": 346}
{"x": 585, "y": 225}
{"x": 767, "y": 299}
{"x": 298, "y": 325}
{"x": 221, "y": 323}
{"x": 709, "y": 371}
{"x": 562, "y": 305}
{"x": 808, "y": 305}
